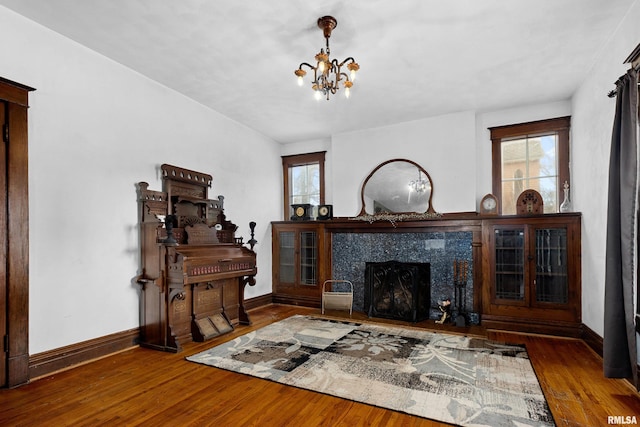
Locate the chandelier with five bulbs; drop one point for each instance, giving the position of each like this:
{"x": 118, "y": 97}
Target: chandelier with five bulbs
{"x": 328, "y": 73}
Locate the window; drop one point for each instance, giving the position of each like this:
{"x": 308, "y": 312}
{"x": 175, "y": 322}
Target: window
{"x": 532, "y": 155}
{"x": 303, "y": 177}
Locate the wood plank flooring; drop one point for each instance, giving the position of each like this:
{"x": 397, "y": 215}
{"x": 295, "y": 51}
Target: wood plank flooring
{"x": 152, "y": 388}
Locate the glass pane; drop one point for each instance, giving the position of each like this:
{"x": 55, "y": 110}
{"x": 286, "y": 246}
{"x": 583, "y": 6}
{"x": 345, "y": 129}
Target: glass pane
{"x": 287, "y": 257}
{"x": 514, "y": 156}
{"x": 548, "y": 160}
{"x": 304, "y": 181}
{"x": 514, "y": 173}
{"x": 551, "y": 266}
{"x": 530, "y": 162}
{"x": 510, "y": 195}
{"x": 509, "y": 279}
{"x": 308, "y": 258}
{"x": 547, "y": 189}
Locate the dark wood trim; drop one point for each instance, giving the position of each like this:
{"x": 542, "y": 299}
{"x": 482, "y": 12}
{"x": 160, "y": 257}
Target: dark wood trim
{"x": 593, "y": 340}
{"x": 45, "y": 363}
{"x": 259, "y": 301}
{"x": 299, "y": 160}
{"x": 470, "y": 221}
{"x": 72, "y": 355}
{"x": 496, "y": 174}
{"x": 563, "y": 159}
{"x": 17, "y": 262}
{"x": 530, "y": 128}
{"x": 559, "y": 125}
{"x": 4, "y": 247}
{"x": 14, "y": 92}
{"x": 633, "y": 57}
{"x": 65, "y": 357}
{"x": 531, "y": 326}
{"x": 15, "y": 217}
{"x": 301, "y": 300}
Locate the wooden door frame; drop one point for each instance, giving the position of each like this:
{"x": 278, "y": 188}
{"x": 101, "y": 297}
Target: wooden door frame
{"x": 16, "y": 236}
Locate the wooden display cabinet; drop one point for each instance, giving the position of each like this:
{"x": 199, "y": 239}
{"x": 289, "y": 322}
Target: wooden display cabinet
{"x": 532, "y": 280}
{"x": 298, "y": 262}
{"x": 526, "y": 269}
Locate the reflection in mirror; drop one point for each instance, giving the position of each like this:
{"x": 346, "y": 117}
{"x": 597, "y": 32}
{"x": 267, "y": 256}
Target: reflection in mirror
{"x": 397, "y": 186}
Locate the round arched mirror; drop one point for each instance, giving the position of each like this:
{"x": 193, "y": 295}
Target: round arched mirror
{"x": 397, "y": 186}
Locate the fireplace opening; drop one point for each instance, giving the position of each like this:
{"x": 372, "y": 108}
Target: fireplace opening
{"x": 398, "y": 290}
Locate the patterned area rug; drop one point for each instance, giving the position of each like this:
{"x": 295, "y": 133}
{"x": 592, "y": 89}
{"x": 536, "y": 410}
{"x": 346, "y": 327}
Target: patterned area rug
{"x": 454, "y": 379}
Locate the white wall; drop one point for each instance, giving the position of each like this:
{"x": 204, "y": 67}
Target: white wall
{"x": 97, "y": 128}
{"x": 444, "y": 146}
{"x": 455, "y": 149}
{"x": 592, "y": 124}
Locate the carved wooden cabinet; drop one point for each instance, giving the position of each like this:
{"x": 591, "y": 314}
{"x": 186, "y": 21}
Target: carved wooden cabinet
{"x": 526, "y": 270}
{"x": 299, "y": 252}
{"x": 532, "y": 274}
{"x": 193, "y": 268}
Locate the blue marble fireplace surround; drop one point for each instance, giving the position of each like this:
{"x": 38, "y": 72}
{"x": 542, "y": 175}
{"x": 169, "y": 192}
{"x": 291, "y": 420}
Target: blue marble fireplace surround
{"x": 351, "y": 252}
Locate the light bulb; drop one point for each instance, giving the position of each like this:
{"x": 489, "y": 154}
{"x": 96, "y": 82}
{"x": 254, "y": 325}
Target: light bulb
{"x": 353, "y": 75}
{"x": 317, "y": 95}
{"x": 347, "y": 92}
{"x": 321, "y": 66}
{"x": 300, "y": 81}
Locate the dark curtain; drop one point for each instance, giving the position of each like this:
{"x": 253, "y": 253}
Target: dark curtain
{"x": 620, "y": 358}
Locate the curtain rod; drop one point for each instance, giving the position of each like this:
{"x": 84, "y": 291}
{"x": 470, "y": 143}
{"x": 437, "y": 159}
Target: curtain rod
{"x": 634, "y": 60}
{"x": 614, "y": 92}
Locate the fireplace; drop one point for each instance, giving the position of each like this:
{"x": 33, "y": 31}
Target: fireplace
{"x": 398, "y": 290}
{"x": 351, "y": 251}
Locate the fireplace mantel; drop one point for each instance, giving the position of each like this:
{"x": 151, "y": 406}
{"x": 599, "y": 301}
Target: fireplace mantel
{"x": 472, "y": 236}
{"x": 464, "y": 221}
{"x": 333, "y": 230}
{"x": 438, "y": 241}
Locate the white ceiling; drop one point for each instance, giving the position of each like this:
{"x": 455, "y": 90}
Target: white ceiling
{"x": 418, "y": 58}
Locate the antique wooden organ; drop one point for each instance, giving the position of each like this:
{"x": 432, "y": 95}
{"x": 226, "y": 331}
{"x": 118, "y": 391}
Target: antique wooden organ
{"x": 193, "y": 267}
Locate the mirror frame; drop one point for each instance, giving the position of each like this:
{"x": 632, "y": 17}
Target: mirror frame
{"x": 430, "y": 209}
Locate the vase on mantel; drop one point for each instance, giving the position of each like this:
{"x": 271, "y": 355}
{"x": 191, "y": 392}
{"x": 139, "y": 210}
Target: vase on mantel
{"x": 566, "y": 204}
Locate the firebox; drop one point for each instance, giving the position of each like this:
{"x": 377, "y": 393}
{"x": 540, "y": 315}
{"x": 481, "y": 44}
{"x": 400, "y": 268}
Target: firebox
{"x": 398, "y": 290}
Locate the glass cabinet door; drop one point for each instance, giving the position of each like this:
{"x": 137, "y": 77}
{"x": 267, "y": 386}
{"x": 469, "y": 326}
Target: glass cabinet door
{"x": 287, "y": 257}
{"x": 298, "y": 258}
{"x": 509, "y": 277}
{"x": 551, "y": 282}
{"x": 531, "y": 266}
{"x": 533, "y": 277}
{"x": 308, "y": 258}
{"x": 297, "y": 262}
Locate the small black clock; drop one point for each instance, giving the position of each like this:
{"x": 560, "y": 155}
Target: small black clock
{"x": 301, "y": 212}
{"x": 325, "y": 212}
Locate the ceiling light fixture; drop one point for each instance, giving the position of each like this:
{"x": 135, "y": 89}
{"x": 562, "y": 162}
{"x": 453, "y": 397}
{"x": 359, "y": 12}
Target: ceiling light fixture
{"x": 327, "y": 74}
{"x": 420, "y": 185}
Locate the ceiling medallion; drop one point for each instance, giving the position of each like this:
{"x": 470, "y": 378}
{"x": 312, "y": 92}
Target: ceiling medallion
{"x": 327, "y": 74}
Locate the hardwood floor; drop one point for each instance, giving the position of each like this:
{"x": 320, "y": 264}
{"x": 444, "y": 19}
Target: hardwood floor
{"x": 147, "y": 387}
